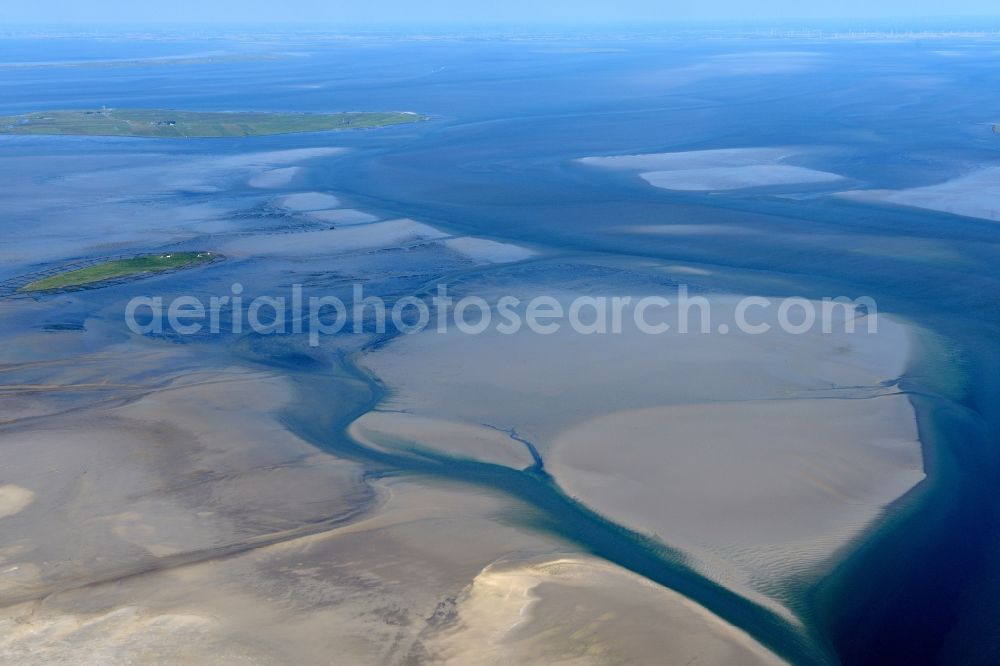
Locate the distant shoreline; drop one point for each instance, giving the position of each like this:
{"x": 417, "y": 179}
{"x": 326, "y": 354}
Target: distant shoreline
{"x": 171, "y": 124}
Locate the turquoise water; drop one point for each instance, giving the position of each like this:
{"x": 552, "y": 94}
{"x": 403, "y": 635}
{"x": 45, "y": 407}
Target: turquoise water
{"x": 509, "y": 116}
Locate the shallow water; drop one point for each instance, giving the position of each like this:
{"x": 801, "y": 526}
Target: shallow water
{"x": 496, "y": 160}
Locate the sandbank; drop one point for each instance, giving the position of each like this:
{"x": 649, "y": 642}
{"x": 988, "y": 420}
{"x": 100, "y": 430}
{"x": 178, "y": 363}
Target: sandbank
{"x": 735, "y": 178}
{"x": 976, "y": 194}
{"x": 400, "y": 431}
{"x": 717, "y": 170}
{"x": 343, "y": 216}
{"x": 308, "y": 201}
{"x": 489, "y": 251}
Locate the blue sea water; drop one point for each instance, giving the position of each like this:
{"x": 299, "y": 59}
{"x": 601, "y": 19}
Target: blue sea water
{"x": 510, "y": 115}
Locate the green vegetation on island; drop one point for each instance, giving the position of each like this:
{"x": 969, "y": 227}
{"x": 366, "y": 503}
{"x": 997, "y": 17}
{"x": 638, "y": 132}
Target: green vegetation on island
{"x": 166, "y": 123}
{"x": 119, "y": 268}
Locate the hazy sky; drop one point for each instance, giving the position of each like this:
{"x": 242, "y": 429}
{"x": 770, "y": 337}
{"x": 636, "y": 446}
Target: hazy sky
{"x": 334, "y": 12}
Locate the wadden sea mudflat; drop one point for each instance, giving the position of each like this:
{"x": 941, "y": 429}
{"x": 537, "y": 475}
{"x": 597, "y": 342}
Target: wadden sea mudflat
{"x": 130, "y": 475}
{"x": 274, "y": 177}
{"x": 696, "y": 439}
{"x": 359, "y": 498}
{"x": 179, "y": 519}
{"x": 164, "y": 513}
{"x": 435, "y": 575}
{"x": 96, "y": 203}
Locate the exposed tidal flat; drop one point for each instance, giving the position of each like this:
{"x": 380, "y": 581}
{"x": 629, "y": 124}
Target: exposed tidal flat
{"x": 760, "y": 455}
{"x": 493, "y": 499}
{"x": 975, "y": 194}
{"x": 214, "y": 495}
{"x": 718, "y": 170}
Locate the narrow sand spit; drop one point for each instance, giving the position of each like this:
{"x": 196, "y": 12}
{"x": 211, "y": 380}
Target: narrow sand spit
{"x": 273, "y": 157}
{"x": 680, "y": 269}
{"x": 400, "y": 431}
{"x": 717, "y": 170}
{"x": 489, "y": 251}
{"x": 685, "y": 229}
{"x": 343, "y": 216}
{"x": 352, "y": 238}
{"x": 736, "y": 178}
{"x": 758, "y": 455}
{"x": 976, "y": 194}
{"x": 691, "y": 159}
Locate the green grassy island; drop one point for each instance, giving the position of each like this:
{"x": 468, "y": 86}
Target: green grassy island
{"x": 165, "y": 123}
{"x": 119, "y": 268}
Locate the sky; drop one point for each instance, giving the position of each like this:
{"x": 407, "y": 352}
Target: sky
{"x": 427, "y": 12}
